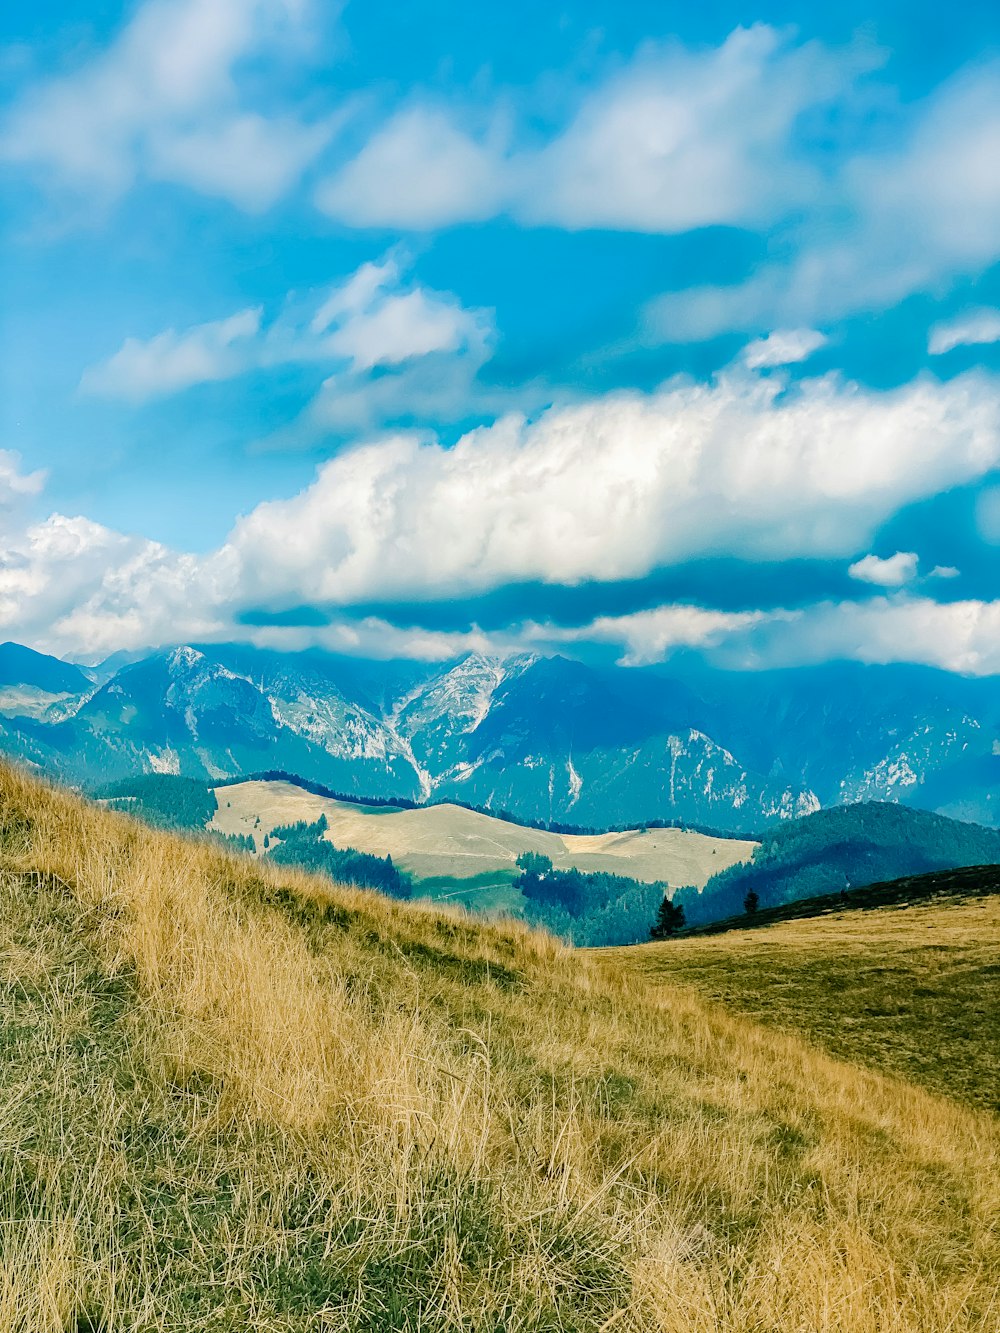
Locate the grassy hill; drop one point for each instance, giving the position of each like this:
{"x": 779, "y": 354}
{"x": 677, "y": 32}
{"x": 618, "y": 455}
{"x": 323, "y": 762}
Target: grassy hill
{"x": 239, "y": 1098}
{"x": 911, "y": 987}
{"x": 843, "y": 848}
{"x": 960, "y": 882}
{"x": 468, "y": 857}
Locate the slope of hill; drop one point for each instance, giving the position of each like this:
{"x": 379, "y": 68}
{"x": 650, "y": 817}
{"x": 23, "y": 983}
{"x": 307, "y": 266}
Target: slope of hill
{"x": 239, "y": 1098}
{"x": 962, "y": 882}
{"x": 545, "y": 738}
{"x": 842, "y": 849}
{"x": 912, "y": 990}
{"x": 460, "y": 854}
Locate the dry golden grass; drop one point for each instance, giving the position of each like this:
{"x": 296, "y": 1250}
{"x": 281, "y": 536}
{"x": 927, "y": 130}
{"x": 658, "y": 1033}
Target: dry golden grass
{"x": 235, "y": 1098}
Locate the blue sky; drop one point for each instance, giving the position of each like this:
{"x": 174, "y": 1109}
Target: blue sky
{"x": 416, "y": 329}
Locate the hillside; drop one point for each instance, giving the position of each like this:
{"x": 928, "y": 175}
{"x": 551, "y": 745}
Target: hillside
{"x": 240, "y": 1098}
{"x": 912, "y": 989}
{"x": 840, "y": 850}
{"x": 459, "y": 854}
{"x": 962, "y": 882}
{"x": 545, "y": 738}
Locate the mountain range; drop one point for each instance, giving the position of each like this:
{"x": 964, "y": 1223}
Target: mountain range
{"x": 545, "y": 738}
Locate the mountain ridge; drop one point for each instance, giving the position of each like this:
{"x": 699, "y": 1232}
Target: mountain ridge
{"x": 546, "y": 738}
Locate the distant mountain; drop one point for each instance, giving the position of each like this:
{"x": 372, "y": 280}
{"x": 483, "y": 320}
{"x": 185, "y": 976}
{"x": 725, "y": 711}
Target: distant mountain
{"x": 543, "y": 738}
{"x": 190, "y": 713}
{"x": 23, "y": 666}
{"x": 838, "y": 851}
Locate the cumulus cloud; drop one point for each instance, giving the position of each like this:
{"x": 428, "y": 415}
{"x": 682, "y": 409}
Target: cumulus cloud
{"x": 678, "y": 139}
{"x": 76, "y": 586}
{"x": 164, "y": 101}
{"x": 613, "y": 488}
{"x": 891, "y": 572}
{"x": 425, "y": 348}
{"x": 783, "y": 347}
{"x": 606, "y": 490}
{"x": 372, "y": 320}
{"x": 968, "y": 330}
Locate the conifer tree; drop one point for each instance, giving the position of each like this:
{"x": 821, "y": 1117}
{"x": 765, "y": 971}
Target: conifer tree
{"x": 669, "y": 920}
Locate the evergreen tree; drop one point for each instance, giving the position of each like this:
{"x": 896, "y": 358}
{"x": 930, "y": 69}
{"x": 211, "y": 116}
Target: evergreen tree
{"x": 669, "y": 920}
{"x": 751, "y": 902}
{"x": 534, "y": 863}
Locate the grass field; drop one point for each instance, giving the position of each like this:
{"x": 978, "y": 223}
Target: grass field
{"x": 239, "y": 1098}
{"x": 469, "y": 858}
{"x": 914, "y": 991}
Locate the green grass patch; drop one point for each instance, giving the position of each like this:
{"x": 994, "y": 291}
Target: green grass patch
{"x": 913, "y": 991}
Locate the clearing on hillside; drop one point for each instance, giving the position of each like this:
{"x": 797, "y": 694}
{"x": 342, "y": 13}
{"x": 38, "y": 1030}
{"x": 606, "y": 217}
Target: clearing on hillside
{"x": 469, "y": 857}
{"x": 914, "y": 990}
{"x": 239, "y": 1098}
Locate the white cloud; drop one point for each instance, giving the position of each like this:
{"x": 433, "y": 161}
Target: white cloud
{"x": 372, "y": 320}
{"x": 172, "y": 361}
{"x": 890, "y": 222}
{"x": 649, "y": 636}
{"x": 245, "y": 158}
{"x": 677, "y": 139}
{"x": 164, "y": 101}
{"x": 76, "y": 586}
{"x": 968, "y": 330}
{"x": 371, "y": 636}
{"x": 15, "y": 484}
{"x": 956, "y": 636}
{"x": 783, "y": 347}
{"x": 945, "y": 572}
{"x": 418, "y": 171}
{"x": 605, "y": 490}
{"x": 614, "y": 488}
{"x": 684, "y": 139}
{"x": 891, "y": 572}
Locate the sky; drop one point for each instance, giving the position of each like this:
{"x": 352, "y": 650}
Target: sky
{"x": 413, "y": 330}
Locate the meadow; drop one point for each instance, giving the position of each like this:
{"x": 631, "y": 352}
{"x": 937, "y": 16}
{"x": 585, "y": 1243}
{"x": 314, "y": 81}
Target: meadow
{"x": 470, "y": 858}
{"x": 913, "y": 990}
{"x": 235, "y": 1097}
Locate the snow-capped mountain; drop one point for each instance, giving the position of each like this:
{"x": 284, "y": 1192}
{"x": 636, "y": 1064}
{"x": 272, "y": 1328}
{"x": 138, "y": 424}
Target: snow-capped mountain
{"x": 544, "y": 738}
